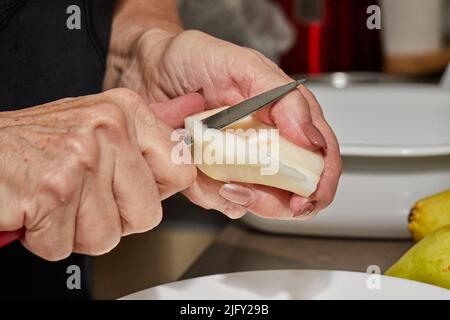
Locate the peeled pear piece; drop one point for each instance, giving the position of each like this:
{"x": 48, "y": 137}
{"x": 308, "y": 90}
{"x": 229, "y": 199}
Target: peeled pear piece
{"x": 280, "y": 163}
{"x": 429, "y": 215}
{"x": 428, "y": 261}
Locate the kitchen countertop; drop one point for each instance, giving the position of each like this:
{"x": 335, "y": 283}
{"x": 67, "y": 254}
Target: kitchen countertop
{"x": 161, "y": 256}
{"x": 193, "y": 242}
{"x": 239, "y": 248}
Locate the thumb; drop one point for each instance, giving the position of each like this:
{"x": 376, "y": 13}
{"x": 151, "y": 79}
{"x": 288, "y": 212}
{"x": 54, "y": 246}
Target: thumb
{"x": 292, "y": 116}
{"x": 173, "y": 112}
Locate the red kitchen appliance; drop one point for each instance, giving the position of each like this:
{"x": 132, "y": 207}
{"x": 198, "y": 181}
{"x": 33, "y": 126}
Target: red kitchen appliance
{"x": 332, "y": 35}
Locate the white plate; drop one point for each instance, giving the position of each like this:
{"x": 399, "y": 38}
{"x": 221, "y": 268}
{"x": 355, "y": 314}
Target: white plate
{"x": 292, "y": 285}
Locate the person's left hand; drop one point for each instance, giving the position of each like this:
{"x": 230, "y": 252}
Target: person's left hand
{"x": 163, "y": 66}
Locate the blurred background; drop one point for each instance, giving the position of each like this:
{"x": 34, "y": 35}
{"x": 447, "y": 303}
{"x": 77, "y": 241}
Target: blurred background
{"x": 335, "y": 43}
{"x": 321, "y": 36}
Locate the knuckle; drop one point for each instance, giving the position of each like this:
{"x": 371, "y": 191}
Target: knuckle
{"x": 110, "y": 114}
{"x": 110, "y": 119}
{"x": 122, "y": 94}
{"x": 98, "y": 245}
{"x": 132, "y": 106}
{"x": 54, "y": 256}
{"x": 233, "y": 211}
{"x": 84, "y": 152}
{"x": 98, "y": 228}
{"x": 186, "y": 177}
{"x": 61, "y": 184}
{"x": 50, "y": 253}
{"x": 191, "y": 34}
{"x": 147, "y": 221}
{"x": 126, "y": 98}
{"x": 143, "y": 222}
{"x": 258, "y": 57}
{"x": 196, "y": 195}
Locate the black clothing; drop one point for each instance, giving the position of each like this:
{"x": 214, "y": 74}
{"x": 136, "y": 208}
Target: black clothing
{"x": 41, "y": 60}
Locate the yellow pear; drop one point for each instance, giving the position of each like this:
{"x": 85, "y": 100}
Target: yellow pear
{"x": 429, "y": 215}
{"x": 428, "y": 261}
{"x": 277, "y": 162}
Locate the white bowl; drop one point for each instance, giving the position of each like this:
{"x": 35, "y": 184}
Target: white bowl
{"x": 294, "y": 285}
{"x": 395, "y": 143}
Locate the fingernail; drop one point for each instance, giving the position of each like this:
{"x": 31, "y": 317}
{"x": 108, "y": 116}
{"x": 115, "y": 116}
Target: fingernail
{"x": 304, "y": 211}
{"x": 314, "y": 135}
{"x": 237, "y": 194}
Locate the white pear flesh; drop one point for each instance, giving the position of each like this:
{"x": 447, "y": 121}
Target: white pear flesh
{"x": 299, "y": 169}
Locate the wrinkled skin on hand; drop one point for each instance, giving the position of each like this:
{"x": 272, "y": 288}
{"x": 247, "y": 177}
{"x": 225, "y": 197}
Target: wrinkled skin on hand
{"x": 81, "y": 173}
{"x": 162, "y": 66}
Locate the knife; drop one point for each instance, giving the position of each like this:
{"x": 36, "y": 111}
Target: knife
{"x": 229, "y": 116}
{"x": 219, "y": 121}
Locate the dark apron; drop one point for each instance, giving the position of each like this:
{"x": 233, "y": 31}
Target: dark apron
{"x": 41, "y": 60}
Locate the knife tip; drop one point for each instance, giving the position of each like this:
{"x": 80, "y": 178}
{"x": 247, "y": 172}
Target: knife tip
{"x": 299, "y": 82}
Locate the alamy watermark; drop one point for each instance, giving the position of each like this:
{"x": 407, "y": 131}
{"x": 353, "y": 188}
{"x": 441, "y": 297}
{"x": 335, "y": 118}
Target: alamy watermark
{"x": 374, "y": 278}
{"x": 73, "y": 21}
{"x": 374, "y": 20}
{"x": 251, "y": 147}
{"x": 73, "y": 281}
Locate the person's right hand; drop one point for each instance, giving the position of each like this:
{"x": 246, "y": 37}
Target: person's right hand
{"x": 81, "y": 173}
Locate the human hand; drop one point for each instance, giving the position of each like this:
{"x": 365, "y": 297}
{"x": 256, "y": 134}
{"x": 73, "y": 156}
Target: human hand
{"x": 163, "y": 65}
{"x": 81, "y": 173}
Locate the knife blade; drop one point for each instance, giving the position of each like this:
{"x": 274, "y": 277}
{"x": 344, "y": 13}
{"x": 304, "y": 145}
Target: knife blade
{"x": 229, "y": 116}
